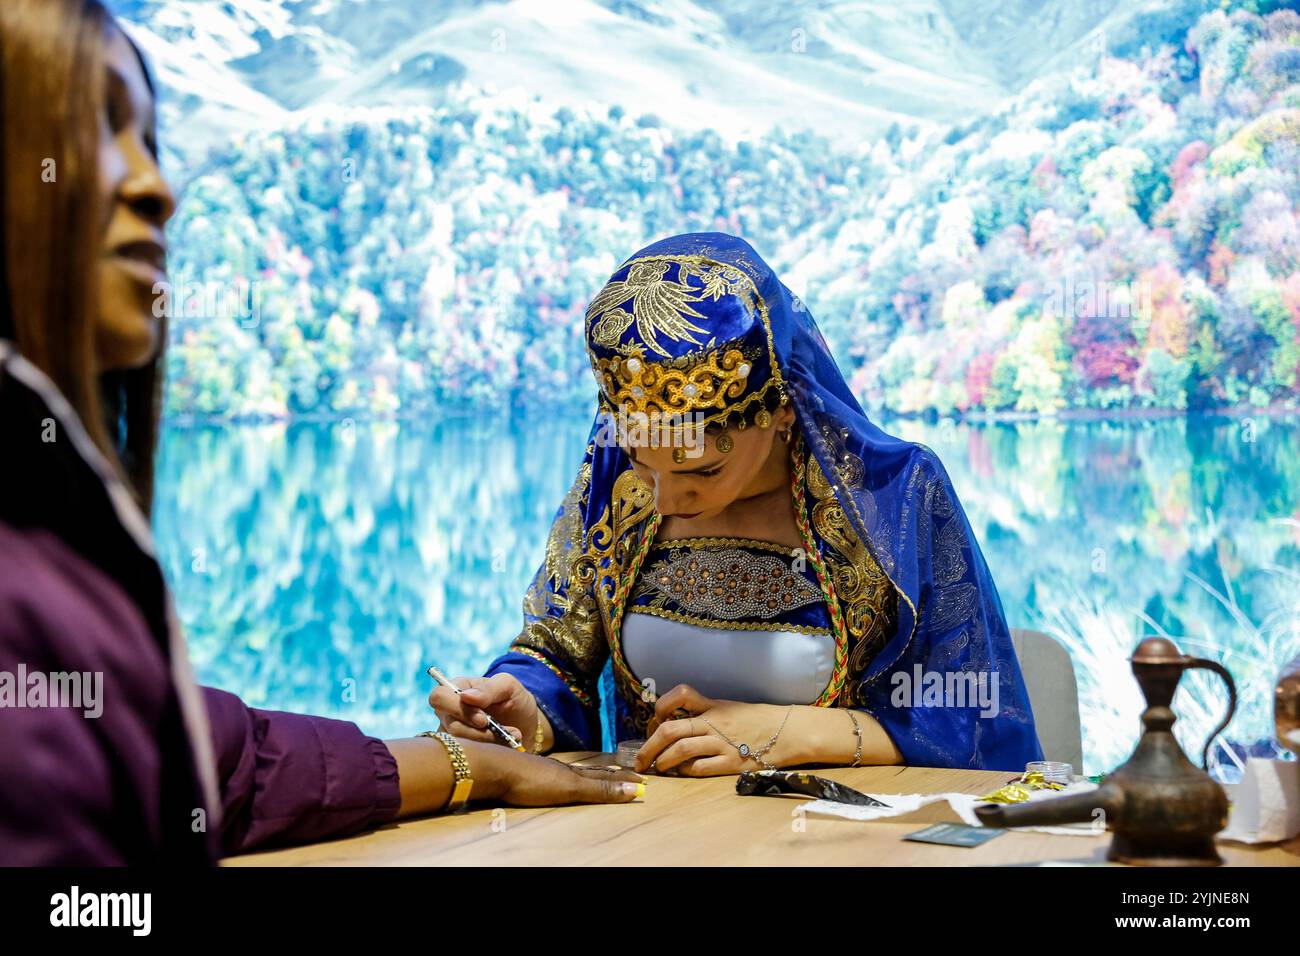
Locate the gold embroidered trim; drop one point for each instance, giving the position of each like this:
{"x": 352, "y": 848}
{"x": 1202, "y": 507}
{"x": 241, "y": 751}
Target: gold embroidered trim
{"x": 727, "y": 625}
{"x": 667, "y": 421}
{"x": 679, "y": 388}
{"x": 631, "y": 501}
{"x": 566, "y": 533}
{"x": 583, "y": 697}
{"x": 561, "y": 616}
{"x": 706, "y": 542}
{"x": 859, "y": 578}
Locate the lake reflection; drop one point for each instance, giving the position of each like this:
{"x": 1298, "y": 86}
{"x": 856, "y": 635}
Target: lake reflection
{"x": 322, "y": 566}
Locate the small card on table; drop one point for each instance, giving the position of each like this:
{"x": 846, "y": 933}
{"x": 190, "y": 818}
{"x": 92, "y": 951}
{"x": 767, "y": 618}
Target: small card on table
{"x": 955, "y": 834}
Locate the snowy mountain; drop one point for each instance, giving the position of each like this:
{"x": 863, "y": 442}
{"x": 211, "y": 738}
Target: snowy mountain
{"x": 848, "y": 69}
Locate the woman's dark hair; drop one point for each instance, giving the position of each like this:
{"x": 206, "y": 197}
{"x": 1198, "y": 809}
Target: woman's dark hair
{"x": 52, "y": 222}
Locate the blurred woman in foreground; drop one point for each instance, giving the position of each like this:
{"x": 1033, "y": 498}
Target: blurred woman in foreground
{"x": 153, "y": 769}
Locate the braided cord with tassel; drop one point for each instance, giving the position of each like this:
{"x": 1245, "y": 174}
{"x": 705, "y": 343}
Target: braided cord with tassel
{"x": 838, "y": 625}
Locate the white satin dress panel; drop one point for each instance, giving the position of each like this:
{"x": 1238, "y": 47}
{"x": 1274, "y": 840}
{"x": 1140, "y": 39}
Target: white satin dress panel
{"x": 736, "y": 618}
{"x": 758, "y": 667}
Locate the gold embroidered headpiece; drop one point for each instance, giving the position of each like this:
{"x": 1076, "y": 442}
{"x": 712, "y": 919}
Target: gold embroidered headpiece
{"x": 682, "y": 338}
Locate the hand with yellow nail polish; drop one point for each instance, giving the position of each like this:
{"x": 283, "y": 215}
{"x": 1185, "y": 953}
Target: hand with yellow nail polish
{"x": 525, "y": 780}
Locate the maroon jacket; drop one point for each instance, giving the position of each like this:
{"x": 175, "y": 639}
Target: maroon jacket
{"x": 153, "y": 770}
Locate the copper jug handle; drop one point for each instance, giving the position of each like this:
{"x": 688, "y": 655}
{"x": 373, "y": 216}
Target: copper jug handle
{"x": 1232, "y": 702}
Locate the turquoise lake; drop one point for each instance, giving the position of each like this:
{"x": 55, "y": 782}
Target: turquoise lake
{"x": 322, "y": 567}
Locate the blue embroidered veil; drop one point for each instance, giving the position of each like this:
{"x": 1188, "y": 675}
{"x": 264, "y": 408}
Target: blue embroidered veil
{"x": 699, "y": 324}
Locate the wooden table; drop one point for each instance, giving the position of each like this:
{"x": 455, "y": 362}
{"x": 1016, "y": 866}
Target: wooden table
{"x": 686, "y": 822}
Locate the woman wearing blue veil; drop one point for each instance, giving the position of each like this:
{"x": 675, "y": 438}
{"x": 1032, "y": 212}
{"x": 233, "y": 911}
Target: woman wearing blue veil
{"x": 743, "y": 554}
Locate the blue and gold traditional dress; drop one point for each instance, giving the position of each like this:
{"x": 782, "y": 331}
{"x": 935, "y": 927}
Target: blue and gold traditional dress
{"x": 890, "y": 588}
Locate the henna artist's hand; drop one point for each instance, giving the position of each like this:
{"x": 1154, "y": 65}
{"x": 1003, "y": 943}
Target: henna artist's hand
{"x": 502, "y": 696}
{"x": 683, "y": 741}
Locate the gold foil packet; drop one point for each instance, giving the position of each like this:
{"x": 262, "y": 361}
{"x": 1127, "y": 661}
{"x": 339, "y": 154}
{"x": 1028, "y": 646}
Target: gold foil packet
{"x": 1018, "y": 791}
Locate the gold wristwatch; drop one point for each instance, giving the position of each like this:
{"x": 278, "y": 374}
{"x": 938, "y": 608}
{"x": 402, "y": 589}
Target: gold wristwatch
{"x": 460, "y": 767}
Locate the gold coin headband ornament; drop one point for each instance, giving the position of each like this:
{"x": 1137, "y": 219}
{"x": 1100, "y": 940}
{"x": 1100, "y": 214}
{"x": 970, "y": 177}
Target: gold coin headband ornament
{"x": 724, "y": 442}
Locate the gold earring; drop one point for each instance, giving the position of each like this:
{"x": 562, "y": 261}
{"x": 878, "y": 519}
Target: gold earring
{"x": 786, "y": 436}
{"x": 724, "y": 443}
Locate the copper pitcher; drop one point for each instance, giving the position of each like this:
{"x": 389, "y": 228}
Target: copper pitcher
{"x": 1286, "y": 707}
{"x": 1161, "y": 808}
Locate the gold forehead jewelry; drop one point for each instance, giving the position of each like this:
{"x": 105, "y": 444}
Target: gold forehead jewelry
{"x": 763, "y": 418}
{"x": 709, "y": 381}
{"x": 679, "y": 455}
{"x": 724, "y": 443}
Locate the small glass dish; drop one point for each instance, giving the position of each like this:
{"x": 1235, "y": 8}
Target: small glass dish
{"x": 1053, "y": 771}
{"x": 625, "y": 756}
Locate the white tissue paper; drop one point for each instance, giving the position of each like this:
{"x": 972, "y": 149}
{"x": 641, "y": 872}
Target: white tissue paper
{"x": 963, "y": 804}
{"x": 1266, "y": 803}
